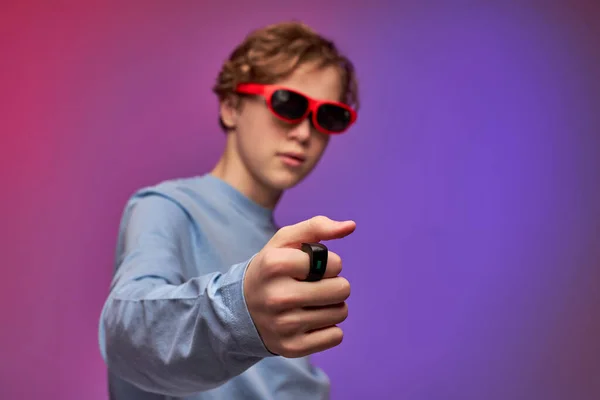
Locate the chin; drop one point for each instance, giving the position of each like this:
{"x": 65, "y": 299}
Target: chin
{"x": 285, "y": 180}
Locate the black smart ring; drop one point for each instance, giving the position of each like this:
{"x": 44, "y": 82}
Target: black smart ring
{"x": 317, "y": 254}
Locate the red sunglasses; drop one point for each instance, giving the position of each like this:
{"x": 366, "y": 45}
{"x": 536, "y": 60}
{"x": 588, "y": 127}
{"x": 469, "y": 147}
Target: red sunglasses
{"x": 291, "y": 106}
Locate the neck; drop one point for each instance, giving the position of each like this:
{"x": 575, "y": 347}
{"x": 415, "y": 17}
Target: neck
{"x": 231, "y": 169}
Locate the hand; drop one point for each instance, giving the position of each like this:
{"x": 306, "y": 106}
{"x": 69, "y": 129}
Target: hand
{"x": 294, "y": 317}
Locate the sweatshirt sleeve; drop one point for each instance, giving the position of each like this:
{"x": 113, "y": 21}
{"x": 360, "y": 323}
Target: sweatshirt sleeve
{"x": 163, "y": 333}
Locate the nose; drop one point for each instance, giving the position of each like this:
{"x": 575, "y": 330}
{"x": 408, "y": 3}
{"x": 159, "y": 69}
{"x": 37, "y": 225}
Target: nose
{"x": 302, "y": 131}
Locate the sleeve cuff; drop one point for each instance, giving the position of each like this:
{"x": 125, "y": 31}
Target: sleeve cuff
{"x": 242, "y": 329}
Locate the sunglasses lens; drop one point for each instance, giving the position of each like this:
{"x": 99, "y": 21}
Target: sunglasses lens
{"x": 333, "y": 118}
{"x": 288, "y": 104}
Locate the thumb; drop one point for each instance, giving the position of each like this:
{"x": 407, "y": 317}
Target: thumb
{"x": 313, "y": 230}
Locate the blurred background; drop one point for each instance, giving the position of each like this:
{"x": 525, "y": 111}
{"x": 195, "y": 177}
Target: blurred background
{"x": 473, "y": 174}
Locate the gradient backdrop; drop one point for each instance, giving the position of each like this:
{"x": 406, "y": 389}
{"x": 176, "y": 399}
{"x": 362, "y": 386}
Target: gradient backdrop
{"x": 473, "y": 175}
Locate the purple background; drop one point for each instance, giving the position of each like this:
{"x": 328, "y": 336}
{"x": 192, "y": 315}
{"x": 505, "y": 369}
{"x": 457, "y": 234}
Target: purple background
{"x": 474, "y": 170}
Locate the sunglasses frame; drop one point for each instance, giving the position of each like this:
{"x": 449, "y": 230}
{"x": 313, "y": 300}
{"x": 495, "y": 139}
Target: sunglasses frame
{"x": 267, "y": 91}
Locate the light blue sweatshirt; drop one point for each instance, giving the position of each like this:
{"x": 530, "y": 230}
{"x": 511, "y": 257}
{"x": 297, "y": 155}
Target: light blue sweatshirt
{"x": 176, "y": 324}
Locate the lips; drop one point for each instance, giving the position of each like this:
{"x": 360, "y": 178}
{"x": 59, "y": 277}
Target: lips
{"x": 293, "y": 160}
{"x": 296, "y": 156}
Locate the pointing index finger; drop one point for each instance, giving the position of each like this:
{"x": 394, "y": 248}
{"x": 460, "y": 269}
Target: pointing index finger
{"x": 314, "y": 230}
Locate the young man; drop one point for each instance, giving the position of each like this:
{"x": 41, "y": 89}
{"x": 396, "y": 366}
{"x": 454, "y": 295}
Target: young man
{"x": 209, "y": 299}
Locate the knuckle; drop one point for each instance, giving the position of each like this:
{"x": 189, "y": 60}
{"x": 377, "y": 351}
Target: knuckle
{"x": 285, "y": 325}
{"x": 344, "y": 288}
{"x": 344, "y": 309}
{"x": 335, "y": 261}
{"x": 283, "y": 231}
{"x": 344, "y": 312}
{"x": 292, "y": 348}
{"x": 271, "y": 263}
{"x": 268, "y": 258}
{"x": 318, "y": 221}
{"x": 272, "y": 303}
{"x": 337, "y": 336}
{"x": 278, "y": 301}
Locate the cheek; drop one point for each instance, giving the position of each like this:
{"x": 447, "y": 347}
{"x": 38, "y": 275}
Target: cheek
{"x": 258, "y": 136}
{"x": 260, "y": 123}
{"x": 320, "y": 143}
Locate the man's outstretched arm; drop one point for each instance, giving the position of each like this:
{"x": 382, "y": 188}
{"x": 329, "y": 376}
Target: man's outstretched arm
{"x": 166, "y": 334}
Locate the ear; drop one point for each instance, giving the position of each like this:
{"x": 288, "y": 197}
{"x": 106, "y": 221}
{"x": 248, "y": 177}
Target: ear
{"x": 229, "y": 112}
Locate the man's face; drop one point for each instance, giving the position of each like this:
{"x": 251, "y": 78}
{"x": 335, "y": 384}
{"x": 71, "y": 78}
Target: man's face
{"x": 265, "y": 143}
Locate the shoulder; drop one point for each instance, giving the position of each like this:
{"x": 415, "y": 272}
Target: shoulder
{"x": 159, "y": 205}
{"x": 172, "y": 189}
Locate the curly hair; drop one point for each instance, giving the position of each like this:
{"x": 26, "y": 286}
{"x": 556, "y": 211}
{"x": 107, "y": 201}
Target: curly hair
{"x": 272, "y": 53}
